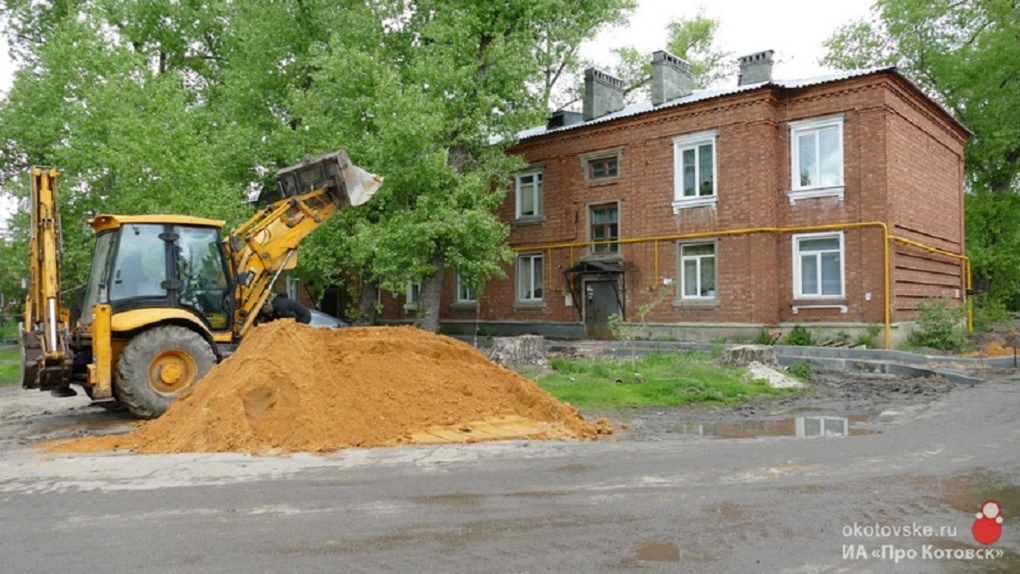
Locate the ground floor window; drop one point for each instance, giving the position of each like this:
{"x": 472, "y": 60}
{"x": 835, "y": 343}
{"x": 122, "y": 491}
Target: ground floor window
{"x": 413, "y": 295}
{"x": 697, "y": 271}
{"x": 529, "y": 277}
{"x": 818, "y": 265}
{"x": 465, "y": 294}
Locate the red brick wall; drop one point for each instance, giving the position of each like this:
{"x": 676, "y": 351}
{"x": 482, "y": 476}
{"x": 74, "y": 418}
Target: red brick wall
{"x": 902, "y": 167}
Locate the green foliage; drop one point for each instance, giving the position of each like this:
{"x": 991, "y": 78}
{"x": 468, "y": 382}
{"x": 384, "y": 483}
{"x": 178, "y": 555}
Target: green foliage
{"x": 189, "y": 107}
{"x": 867, "y": 338}
{"x": 801, "y": 370}
{"x": 799, "y": 336}
{"x": 10, "y": 356}
{"x": 692, "y": 39}
{"x": 654, "y": 380}
{"x": 955, "y": 51}
{"x": 989, "y": 312}
{"x": 765, "y": 337}
{"x": 625, "y": 331}
{"x": 939, "y": 325}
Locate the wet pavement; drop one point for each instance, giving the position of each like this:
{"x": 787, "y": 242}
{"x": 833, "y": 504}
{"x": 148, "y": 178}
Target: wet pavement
{"x": 862, "y": 480}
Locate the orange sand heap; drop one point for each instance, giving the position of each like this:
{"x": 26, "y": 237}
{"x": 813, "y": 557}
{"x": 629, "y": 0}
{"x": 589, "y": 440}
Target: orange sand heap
{"x": 294, "y": 388}
{"x": 993, "y": 349}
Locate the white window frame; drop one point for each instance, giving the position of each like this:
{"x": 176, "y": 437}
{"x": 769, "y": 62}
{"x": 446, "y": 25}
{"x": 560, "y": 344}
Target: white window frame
{"x": 816, "y": 126}
{"x": 412, "y": 295}
{"x": 798, "y": 254}
{"x": 698, "y": 259}
{"x": 694, "y": 142}
{"x": 526, "y": 293}
{"x": 537, "y": 187}
{"x": 465, "y": 294}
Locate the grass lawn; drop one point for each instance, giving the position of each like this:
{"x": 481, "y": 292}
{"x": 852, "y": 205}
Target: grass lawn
{"x": 9, "y": 357}
{"x": 653, "y": 380}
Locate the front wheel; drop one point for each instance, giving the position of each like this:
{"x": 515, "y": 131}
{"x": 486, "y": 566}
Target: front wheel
{"x": 158, "y": 366}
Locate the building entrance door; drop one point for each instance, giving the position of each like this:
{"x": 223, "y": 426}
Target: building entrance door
{"x": 601, "y": 301}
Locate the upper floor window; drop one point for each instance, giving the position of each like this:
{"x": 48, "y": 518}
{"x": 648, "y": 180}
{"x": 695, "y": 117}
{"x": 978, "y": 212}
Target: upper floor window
{"x": 694, "y": 177}
{"x": 605, "y": 227}
{"x": 529, "y": 194}
{"x": 602, "y": 165}
{"x": 530, "y": 278}
{"x": 697, "y": 271}
{"x": 816, "y": 157}
{"x": 818, "y": 265}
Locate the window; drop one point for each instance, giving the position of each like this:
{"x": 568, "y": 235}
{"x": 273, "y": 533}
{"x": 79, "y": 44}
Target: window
{"x": 604, "y": 167}
{"x": 529, "y": 194}
{"x": 818, "y": 265}
{"x": 694, "y": 170}
{"x": 817, "y": 157}
{"x": 605, "y": 226}
{"x": 697, "y": 271}
{"x": 601, "y": 166}
{"x": 465, "y": 293}
{"x": 413, "y": 295}
{"x": 202, "y": 274}
{"x": 529, "y": 278}
{"x": 140, "y": 267}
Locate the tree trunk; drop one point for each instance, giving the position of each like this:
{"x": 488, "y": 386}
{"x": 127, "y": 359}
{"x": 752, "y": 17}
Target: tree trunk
{"x": 431, "y": 295}
{"x": 367, "y": 301}
{"x": 516, "y": 352}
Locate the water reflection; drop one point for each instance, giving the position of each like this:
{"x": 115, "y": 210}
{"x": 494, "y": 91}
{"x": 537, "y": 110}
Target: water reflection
{"x": 800, "y": 427}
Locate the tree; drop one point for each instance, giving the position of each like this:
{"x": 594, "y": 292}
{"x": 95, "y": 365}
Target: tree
{"x": 960, "y": 52}
{"x": 186, "y": 107}
{"x": 690, "y": 39}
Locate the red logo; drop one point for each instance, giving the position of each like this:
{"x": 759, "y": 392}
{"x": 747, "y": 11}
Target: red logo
{"x": 988, "y": 526}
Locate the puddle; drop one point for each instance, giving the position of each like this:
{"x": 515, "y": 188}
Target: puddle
{"x": 800, "y": 427}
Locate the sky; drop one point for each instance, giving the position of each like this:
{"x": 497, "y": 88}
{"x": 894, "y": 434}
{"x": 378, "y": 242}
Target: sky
{"x": 795, "y": 29}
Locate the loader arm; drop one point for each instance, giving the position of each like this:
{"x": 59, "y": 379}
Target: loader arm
{"x": 267, "y": 243}
{"x": 43, "y": 334}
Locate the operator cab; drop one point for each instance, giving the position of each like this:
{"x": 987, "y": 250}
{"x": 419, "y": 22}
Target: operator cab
{"x": 146, "y": 262}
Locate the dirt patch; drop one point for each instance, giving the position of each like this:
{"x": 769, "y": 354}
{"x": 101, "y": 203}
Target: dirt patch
{"x": 294, "y": 388}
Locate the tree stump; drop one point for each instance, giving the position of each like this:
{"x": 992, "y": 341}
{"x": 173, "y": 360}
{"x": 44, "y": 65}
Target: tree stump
{"x": 744, "y": 355}
{"x": 516, "y": 352}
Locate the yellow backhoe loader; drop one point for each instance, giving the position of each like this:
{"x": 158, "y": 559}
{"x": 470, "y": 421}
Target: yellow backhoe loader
{"x": 168, "y": 296}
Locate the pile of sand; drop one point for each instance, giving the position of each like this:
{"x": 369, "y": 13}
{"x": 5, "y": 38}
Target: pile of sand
{"x": 295, "y": 388}
{"x": 993, "y": 349}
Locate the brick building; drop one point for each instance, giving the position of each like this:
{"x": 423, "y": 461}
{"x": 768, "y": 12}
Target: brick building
{"x": 835, "y": 203}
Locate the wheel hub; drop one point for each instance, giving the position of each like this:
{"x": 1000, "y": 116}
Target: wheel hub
{"x": 172, "y": 371}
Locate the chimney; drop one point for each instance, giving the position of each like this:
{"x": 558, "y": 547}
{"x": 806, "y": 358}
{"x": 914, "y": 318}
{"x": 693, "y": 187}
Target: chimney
{"x": 755, "y": 68}
{"x": 671, "y": 77}
{"x": 603, "y": 94}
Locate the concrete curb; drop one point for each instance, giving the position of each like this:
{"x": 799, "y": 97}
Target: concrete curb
{"x": 897, "y": 363}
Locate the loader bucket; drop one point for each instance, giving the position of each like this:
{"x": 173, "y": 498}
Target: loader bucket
{"x": 348, "y": 184}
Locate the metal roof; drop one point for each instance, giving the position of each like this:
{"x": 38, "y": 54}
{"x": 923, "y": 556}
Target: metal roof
{"x": 712, "y": 93}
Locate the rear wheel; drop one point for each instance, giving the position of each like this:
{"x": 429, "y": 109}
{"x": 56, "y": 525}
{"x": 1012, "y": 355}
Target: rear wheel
{"x": 158, "y": 366}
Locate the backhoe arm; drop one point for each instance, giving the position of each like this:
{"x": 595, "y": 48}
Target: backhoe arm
{"x": 267, "y": 243}
{"x": 45, "y": 358}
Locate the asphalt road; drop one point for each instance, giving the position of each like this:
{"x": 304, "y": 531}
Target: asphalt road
{"x": 899, "y": 495}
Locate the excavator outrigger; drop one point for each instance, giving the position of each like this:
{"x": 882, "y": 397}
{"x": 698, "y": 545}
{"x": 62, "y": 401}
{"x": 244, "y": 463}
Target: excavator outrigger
{"x": 168, "y": 296}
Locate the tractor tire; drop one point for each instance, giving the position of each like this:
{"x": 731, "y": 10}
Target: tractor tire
{"x": 158, "y": 366}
